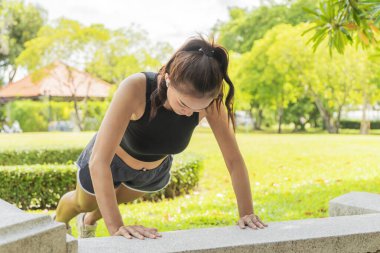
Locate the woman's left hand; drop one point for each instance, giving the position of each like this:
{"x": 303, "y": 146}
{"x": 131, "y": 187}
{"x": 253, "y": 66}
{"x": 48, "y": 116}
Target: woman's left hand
{"x": 252, "y": 220}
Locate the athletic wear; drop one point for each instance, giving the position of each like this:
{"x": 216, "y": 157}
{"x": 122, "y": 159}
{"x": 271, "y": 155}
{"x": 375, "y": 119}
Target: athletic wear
{"x": 167, "y": 133}
{"x": 139, "y": 180}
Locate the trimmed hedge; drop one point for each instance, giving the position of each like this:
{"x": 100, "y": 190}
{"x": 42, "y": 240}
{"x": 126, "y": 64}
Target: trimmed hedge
{"x": 39, "y": 156}
{"x": 41, "y": 186}
{"x": 353, "y": 124}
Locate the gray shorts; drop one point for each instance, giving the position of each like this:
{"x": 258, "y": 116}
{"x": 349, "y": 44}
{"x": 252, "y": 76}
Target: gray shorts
{"x": 152, "y": 180}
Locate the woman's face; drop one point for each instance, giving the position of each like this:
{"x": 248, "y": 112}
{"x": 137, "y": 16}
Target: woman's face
{"x": 184, "y": 104}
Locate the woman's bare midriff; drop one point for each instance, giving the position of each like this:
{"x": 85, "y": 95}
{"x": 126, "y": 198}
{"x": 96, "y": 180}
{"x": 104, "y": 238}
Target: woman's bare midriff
{"x": 127, "y": 158}
{"x": 134, "y": 163}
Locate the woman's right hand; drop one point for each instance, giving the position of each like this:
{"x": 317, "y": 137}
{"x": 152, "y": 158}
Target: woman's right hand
{"x": 137, "y": 231}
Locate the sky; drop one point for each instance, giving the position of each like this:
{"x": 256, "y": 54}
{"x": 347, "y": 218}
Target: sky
{"x": 170, "y": 21}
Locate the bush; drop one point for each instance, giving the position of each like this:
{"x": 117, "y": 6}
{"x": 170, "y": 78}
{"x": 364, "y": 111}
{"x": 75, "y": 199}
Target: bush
{"x": 37, "y": 186}
{"x": 354, "y": 124}
{"x": 41, "y": 186}
{"x": 95, "y": 113}
{"x": 31, "y": 115}
{"x": 39, "y": 156}
{"x": 185, "y": 174}
{"x": 34, "y": 116}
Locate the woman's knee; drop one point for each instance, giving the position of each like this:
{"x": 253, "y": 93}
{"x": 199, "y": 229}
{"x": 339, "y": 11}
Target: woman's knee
{"x": 85, "y": 202}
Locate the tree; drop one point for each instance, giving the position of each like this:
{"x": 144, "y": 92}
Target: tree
{"x": 270, "y": 71}
{"x": 127, "y": 52}
{"x": 330, "y": 83}
{"x": 245, "y": 27}
{"x": 67, "y": 41}
{"x": 340, "y": 20}
{"x": 18, "y": 23}
{"x": 282, "y": 70}
{"x": 301, "y": 112}
{"x": 367, "y": 89}
{"x": 110, "y": 55}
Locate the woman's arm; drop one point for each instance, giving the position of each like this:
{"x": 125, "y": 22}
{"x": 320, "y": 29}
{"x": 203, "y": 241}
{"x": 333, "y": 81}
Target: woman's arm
{"x": 234, "y": 161}
{"x": 124, "y": 103}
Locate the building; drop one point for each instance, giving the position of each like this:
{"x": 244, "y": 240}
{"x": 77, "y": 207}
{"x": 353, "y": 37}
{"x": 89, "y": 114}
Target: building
{"x": 57, "y": 80}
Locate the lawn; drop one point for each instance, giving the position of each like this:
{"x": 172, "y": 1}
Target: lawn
{"x": 293, "y": 176}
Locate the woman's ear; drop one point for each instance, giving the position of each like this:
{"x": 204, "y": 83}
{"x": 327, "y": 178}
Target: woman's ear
{"x": 167, "y": 80}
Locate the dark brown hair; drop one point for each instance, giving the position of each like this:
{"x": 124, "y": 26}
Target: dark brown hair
{"x": 201, "y": 66}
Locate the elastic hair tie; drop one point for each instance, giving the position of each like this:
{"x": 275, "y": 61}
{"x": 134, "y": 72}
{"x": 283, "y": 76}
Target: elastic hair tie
{"x": 208, "y": 53}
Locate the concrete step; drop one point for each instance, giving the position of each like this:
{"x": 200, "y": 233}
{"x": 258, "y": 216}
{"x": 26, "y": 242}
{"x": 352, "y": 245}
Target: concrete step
{"x": 355, "y": 203}
{"x": 25, "y": 232}
{"x": 356, "y": 234}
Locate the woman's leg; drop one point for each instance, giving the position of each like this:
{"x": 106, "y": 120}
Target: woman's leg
{"x": 73, "y": 203}
{"x": 123, "y": 195}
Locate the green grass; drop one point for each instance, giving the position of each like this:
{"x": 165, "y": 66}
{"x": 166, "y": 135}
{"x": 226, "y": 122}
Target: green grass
{"x": 292, "y": 177}
{"x": 44, "y": 140}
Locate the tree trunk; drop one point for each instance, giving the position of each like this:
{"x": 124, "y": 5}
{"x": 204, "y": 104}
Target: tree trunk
{"x": 337, "y": 122}
{"x": 12, "y": 75}
{"x": 327, "y": 118}
{"x": 77, "y": 116}
{"x": 253, "y": 119}
{"x": 280, "y": 117}
{"x": 258, "y": 118}
{"x": 364, "y": 124}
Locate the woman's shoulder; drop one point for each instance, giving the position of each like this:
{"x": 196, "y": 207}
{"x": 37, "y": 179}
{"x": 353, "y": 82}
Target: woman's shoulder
{"x": 135, "y": 80}
{"x": 135, "y": 84}
{"x": 139, "y": 80}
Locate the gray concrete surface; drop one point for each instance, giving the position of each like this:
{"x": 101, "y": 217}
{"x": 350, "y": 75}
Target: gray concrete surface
{"x": 25, "y": 232}
{"x": 355, "y": 203}
{"x": 324, "y": 235}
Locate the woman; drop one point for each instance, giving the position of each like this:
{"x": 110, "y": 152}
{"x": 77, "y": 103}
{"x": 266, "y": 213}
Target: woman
{"x": 151, "y": 117}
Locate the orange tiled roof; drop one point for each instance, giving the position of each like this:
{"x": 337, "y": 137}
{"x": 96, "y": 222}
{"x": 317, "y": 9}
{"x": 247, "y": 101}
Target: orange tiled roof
{"x": 57, "y": 83}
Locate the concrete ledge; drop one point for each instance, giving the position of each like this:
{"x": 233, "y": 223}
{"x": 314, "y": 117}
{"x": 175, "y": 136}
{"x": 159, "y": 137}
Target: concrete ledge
{"x": 26, "y": 232}
{"x": 333, "y": 234}
{"x": 355, "y": 203}
{"x": 71, "y": 244}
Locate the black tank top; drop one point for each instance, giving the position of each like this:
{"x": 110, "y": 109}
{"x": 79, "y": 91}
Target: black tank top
{"x": 167, "y": 133}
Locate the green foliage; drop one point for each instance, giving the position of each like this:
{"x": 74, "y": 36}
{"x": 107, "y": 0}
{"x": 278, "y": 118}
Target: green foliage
{"x": 65, "y": 41}
{"x": 34, "y": 116}
{"x": 2, "y": 115}
{"x": 340, "y": 20}
{"x": 95, "y": 113}
{"x": 126, "y": 53}
{"x": 19, "y": 23}
{"x": 281, "y": 69}
{"x": 111, "y": 55}
{"x": 41, "y": 186}
{"x": 29, "y": 155}
{"x": 31, "y": 115}
{"x": 245, "y": 27}
{"x": 301, "y": 112}
{"x": 33, "y": 187}
{"x": 355, "y": 124}
{"x": 271, "y": 71}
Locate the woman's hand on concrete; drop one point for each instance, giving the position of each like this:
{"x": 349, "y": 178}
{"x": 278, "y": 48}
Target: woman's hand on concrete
{"x": 252, "y": 220}
{"x": 137, "y": 231}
